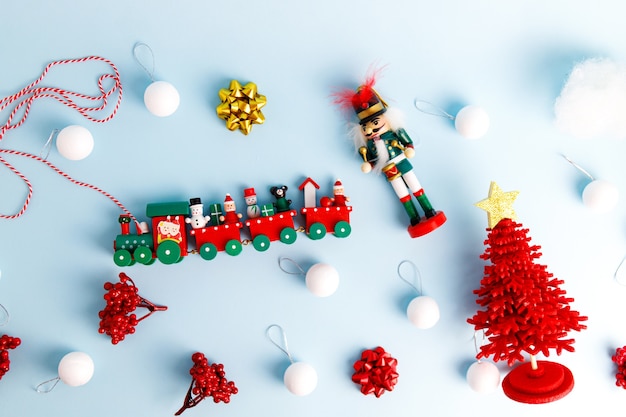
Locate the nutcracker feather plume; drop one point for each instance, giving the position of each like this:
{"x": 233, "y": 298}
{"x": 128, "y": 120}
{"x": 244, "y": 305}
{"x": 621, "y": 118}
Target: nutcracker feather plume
{"x": 592, "y": 103}
{"x": 348, "y": 99}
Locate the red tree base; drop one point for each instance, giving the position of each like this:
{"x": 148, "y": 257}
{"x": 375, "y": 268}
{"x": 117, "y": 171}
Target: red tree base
{"x": 549, "y": 382}
{"x": 426, "y": 226}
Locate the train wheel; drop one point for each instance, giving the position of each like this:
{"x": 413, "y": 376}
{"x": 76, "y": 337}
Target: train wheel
{"x": 143, "y": 255}
{"x": 288, "y": 235}
{"x": 233, "y": 247}
{"x": 317, "y": 231}
{"x": 261, "y": 243}
{"x": 208, "y": 251}
{"x": 168, "y": 252}
{"x": 122, "y": 258}
{"x": 342, "y": 229}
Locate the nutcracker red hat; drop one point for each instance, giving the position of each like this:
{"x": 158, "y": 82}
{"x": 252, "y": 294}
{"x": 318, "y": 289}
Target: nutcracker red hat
{"x": 365, "y": 101}
{"x": 249, "y": 192}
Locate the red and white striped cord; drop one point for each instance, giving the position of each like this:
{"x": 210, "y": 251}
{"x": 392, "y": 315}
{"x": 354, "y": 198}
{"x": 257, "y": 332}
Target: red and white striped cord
{"x": 32, "y": 92}
{"x": 58, "y": 171}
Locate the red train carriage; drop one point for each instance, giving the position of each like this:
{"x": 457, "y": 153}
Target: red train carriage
{"x": 333, "y": 215}
{"x": 213, "y": 239}
{"x": 169, "y": 230}
{"x": 266, "y": 229}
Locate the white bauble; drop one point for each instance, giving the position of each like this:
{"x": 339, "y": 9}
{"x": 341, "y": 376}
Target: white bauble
{"x": 76, "y": 369}
{"x": 483, "y": 377}
{"x": 300, "y": 378}
{"x": 322, "y": 279}
{"x": 423, "y": 312}
{"x": 472, "y": 122}
{"x": 600, "y": 196}
{"x": 161, "y": 98}
{"x": 74, "y": 142}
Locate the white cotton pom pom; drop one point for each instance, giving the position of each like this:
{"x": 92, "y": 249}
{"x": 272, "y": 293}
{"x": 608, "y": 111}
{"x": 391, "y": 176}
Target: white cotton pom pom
{"x": 592, "y": 103}
{"x": 161, "y": 98}
{"x": 472, "y": 122}
{"x": 76, "y": 369}
{"x": 601, "y": 196}
{"x": 74, "y": 142}
{"x": 322, "y": 279}
{"x": 300, "y": 378}
{"x": 483, "y": 377}
{"x": 423, "y": 312}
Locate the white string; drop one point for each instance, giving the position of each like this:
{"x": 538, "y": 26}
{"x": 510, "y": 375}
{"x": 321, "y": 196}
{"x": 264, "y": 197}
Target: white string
{"x": 280, "y": 265}
{"x": 284, "y": 346}
{"x": 150, "y": 72}
{"x": 40, "y": 390}
{"x": 417, "y": 277}
{"x": 578, "y": 167}
{"x": 436, "y": 111}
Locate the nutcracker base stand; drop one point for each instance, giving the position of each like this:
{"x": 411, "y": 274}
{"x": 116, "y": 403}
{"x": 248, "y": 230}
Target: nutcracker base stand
{"x": 427, "y": 225}
{"x": 551, "y": 381}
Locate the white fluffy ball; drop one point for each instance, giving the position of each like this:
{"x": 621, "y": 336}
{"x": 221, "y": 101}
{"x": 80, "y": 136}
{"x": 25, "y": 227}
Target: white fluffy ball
{"x": 74, "y": 142}
{"x": 76, "y": 369}
{"x": 322, "y": 279}
{"x": 472, "y": 122}
{"x": 423, "y": 312}
{"x": 483, "y": 377}
{"x": 161, "y": 98}
{"x": 300, "y": 378}
{"x": 601, "y": 196}
{"x": 592, "y": 103}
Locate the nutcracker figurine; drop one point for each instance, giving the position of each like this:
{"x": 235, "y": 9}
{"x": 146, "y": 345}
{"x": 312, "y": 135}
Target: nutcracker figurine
{"x": 386, "y": 147}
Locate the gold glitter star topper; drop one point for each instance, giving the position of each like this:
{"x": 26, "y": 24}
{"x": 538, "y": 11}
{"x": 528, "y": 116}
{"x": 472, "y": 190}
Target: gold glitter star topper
{"x": 499, "y": 204}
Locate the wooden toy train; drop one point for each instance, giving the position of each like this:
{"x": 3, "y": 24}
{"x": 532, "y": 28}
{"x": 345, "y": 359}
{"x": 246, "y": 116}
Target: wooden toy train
{"x": 167, "y": 238}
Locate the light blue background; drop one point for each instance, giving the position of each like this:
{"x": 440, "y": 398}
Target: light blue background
{"x": 511, "y": 57}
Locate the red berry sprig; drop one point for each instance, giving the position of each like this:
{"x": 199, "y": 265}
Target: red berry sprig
{"x": 620, "y": 359}
{"x": 7, "y": 342}
{"x": 117, "y": 319}
{"x": 207, "y": 381}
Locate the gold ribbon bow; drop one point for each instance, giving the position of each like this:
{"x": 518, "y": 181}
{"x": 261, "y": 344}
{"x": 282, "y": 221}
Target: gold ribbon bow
{"x": 241, "y": 106}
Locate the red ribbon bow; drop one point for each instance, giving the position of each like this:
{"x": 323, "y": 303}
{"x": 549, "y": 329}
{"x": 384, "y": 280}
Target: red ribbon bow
{"x": 375, "y": 372}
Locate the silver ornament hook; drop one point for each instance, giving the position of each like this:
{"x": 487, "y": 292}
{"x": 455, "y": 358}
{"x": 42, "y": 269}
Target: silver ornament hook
{"x": 417, "y": 276}
{"x": 45, "y": 151}
{"x": 578, "y": 167}
{"x": 284, "y": 347}
{"x": 4, "y": 315}
{"x": 150, "y": 72}
{"x": 618, "y": 270}
{"x": 47, "y": 386}
{"x": 476, "y": 344}
{"x": 429, "y": 108}
{"x": 283, "y": 259}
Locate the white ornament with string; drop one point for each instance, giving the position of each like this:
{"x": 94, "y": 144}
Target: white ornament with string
{"x": 160, "y": 97}
{"x": 300, "y": 378}
{"x": 75, "y": 369}
{"x": 422, "y": 311}
{"x": 321, "y": 279}
{"x": 482, "y": 376}
{"x": 472, "y": 121}
{"x": 600, "y": 196}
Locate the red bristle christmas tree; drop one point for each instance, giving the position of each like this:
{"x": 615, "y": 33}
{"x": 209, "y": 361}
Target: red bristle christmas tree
{"x": 524, "y": 308}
